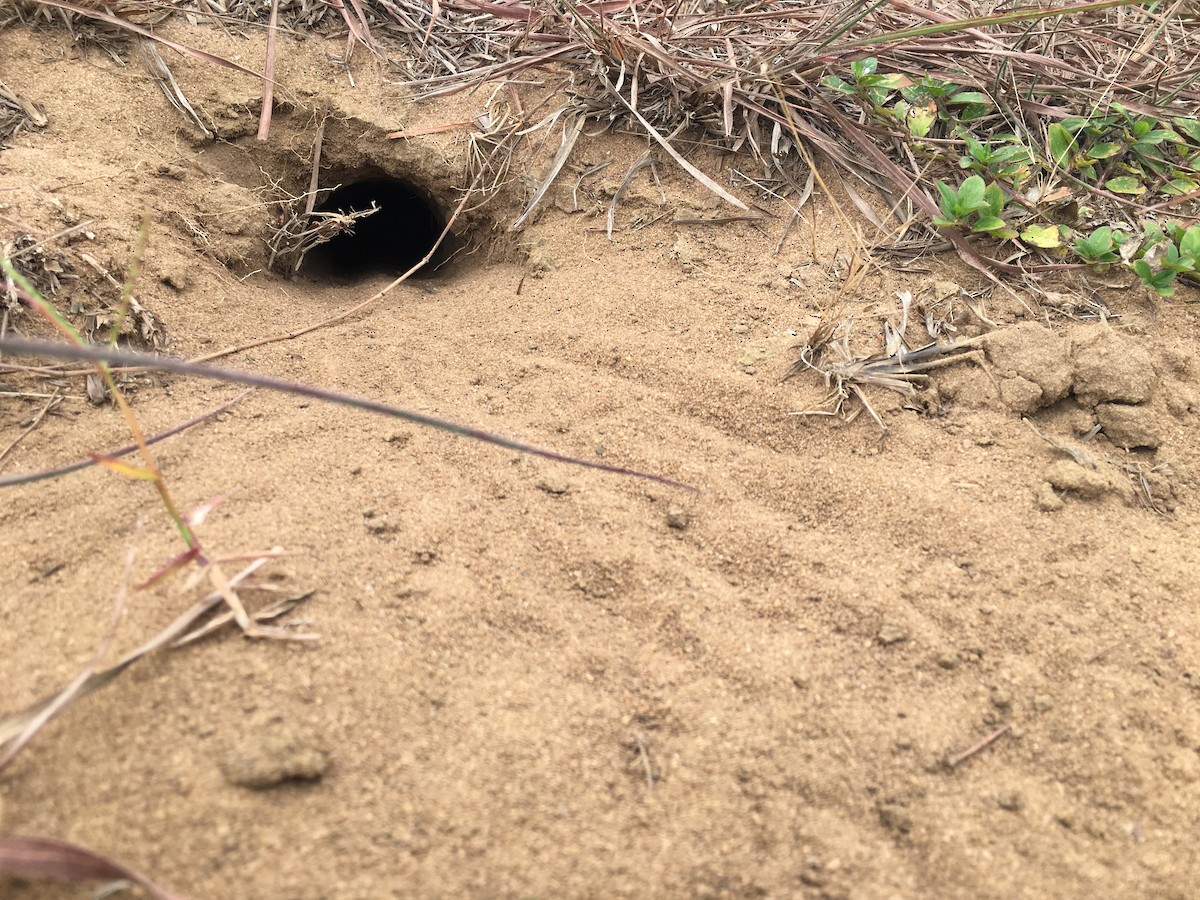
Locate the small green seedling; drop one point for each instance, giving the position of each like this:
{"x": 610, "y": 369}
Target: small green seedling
{"x": 867, "y": 82}
{"x": 1003, "y": 159}
{"x": 975, "y": 205}
{"x": 1099, "y": 248}
{"x": 1167, "y": 253}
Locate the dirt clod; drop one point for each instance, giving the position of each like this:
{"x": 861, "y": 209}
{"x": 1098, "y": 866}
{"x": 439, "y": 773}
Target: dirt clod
{"x": 554, "y": 484}
{"x": 1130, "y": 427}
{"x": 1033, "y": 363}
{"x": 1048, "y": 499}
{"x": 1089, "y": 484}
{"x": 1110, "y": 367}
{"x": 273, "y": 752}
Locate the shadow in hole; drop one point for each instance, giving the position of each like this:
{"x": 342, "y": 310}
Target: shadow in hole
{"x": 388, "y": 242}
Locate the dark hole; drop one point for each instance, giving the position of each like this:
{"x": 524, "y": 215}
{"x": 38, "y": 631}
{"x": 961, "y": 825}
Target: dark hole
{"x": 390, "y": 241}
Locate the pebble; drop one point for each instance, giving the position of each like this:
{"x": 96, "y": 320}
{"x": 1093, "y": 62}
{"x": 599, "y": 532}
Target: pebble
{"x": 378, "y": 524}
{"x": 1043, "y": 703}
{"x": 1010, "y": 802}
{"x": 753, "y": 357}
{"x": 891, "y": 633}
{"x": 678, "y": 518}
{"x": 947, "y": 659}
{"x": 554, "y": 484}
{"x": 894, "y": 816}
{"x": 273, "y": 752}
{"x": 1034, "y": 364}
{"x": 177, "y": 279}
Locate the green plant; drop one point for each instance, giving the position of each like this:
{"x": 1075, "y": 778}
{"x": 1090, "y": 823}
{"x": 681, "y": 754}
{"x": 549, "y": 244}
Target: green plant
{"x": 1129, "y": 153}
{"x": 953, "y": 101}
{"x": 1167, "y": 253}
{"x": 867, "y": 82}
{"x": 1099, "y": 248}
{"x": 975, "y": 205}
{"x": 1004, "y": 158}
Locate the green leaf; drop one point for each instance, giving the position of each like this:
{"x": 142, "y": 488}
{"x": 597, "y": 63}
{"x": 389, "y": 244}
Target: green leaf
{"x": 1148, "y": 153}
{"x": 1012, "y": 153}
{"x": 920, "y": 121}
{"x": 1105, "y": 150}
{"x": 1095, "y": 243}
{"x": 1158, "y": 135}
{"x": 1161, "y": 282}
{"x": 1190, "y": 127}
{"x": 1044, "y": 236}
{"x": 1061, "y": 144}
{"x": 838, "y": 84}
{"x": 1125, "y": 184}
{"x": 892, "y": 82}
{"x": 948, "y": 201}
{"x": 988, "y": 223}
{"x": 964, "y": 97}
{"x": 1097, "y": 246}
{"x": 970, "y": 195}
{"x": 975, "y": 148}
{"x": 860, "y": 68}
{"x": 995, "y": 199}
{"x": 1189, "y": 244}
{"x": 1177, "y": 187}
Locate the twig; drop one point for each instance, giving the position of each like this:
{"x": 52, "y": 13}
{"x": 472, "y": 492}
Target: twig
{"x": 958, "y": 758}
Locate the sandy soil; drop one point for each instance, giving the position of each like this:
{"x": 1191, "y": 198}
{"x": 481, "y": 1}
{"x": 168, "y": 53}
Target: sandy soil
{"x": 536, "y": 680}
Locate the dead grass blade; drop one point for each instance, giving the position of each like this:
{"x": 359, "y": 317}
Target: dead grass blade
{"x": 14, "y": 726}
{"x": 671, "y": 151}
{"x": 570, "y": 135}
{"x": 71, "y": 692}
{"x": 846, "y": 374}
{"x": 28, "y": 478}
{"x": 17, "y": 114}
{"x": 46, "y": 858}
{"x": 126, "y": 25}
{"x": 638, "y": 164}
{"x": 148, "y": 361}
{"x": 266, "y": 614}
{"x": 268, "y": 101}
{"x": 169, "y": 86}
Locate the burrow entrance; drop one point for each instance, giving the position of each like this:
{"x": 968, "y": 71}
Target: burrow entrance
{"x": 404, "y": 227}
